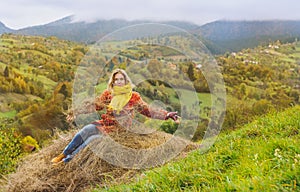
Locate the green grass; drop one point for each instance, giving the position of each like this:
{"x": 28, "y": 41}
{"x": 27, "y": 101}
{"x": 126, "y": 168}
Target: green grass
{"x": 261, "y": 156}
{"x": 9, "y": 114}
{"x": 48, "y": 83}
{"x": 100, "y": 88}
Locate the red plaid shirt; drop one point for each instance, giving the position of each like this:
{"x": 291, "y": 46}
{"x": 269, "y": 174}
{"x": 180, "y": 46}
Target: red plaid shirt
{"x": 110, "y": 120}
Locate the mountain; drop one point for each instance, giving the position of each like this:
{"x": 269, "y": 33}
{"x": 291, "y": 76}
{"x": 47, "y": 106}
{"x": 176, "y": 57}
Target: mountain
{"x": 236, "y": 35}
{"x": 218, "y": 36}
{"x": 4, "y": 29}
{"x": 89, "y": 32}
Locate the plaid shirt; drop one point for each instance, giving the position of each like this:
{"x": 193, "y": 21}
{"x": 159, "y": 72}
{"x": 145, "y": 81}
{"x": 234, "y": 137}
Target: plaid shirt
{"x": 110, "y": 120}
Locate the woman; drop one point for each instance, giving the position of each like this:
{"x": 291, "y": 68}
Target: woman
{"x": 120, "y": 103}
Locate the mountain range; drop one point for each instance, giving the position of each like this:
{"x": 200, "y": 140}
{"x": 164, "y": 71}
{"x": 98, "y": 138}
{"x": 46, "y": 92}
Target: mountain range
{"x": 219, "y": 36}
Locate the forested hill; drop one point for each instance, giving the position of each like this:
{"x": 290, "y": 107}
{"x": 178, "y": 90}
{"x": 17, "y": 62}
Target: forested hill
{"x": 33, "y": 70}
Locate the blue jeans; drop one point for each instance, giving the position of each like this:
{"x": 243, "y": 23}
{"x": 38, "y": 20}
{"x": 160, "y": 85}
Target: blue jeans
{"x": 81, "y": 140}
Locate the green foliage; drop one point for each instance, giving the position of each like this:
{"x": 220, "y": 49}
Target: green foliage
{"x": 33, "y": 65}
{"x": 190, "y": 72}
{"x": 9, "y": 114}
{"x": 260, "y": 80}
{"x": 6, "y": 72}
{"x": 200, "y": 131}
{"x": 49, "y": 113}
{"x": 169, "y": 126}
{"x": 10, "y": 148}
{"x": 261, "y": 156}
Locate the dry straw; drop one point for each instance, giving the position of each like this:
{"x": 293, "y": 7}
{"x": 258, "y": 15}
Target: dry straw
{"x": 87, "y": 169}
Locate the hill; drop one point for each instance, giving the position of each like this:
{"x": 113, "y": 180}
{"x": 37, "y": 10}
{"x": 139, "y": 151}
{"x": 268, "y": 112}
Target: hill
{"x": 31, "y": 69}
{"x": 219, "y": 36}
{"x": 42, "y": 68}
{"x": 39, "y": 71}
{"x": 262, "y": 156}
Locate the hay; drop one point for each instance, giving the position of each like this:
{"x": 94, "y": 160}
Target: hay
{"x": 99, "y": 164}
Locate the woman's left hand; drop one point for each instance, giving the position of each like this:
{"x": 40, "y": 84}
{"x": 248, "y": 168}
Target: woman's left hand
{"x": 173, "y": 116}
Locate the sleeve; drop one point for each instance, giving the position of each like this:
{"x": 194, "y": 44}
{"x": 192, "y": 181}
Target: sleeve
{"x": 98, "y": 104}
{"x": 143, "y": 108}
{"x": 103, "y": 100}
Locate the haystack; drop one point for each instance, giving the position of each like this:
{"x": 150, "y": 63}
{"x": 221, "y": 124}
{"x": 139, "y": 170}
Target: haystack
{"x": 107, "y": 160}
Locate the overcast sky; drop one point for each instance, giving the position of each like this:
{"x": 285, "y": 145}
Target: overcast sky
{"x": 18, "y": 14}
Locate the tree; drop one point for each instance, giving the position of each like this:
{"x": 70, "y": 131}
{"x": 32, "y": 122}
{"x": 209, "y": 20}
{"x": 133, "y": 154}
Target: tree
{"x": 154, "y": 66}
{"x": 63, "y": 90}
{"x": 190, "y": 72}
{"x": 6, "y": 72}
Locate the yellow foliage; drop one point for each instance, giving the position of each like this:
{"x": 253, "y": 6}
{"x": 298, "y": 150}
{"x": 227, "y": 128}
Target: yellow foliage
{"x": 29, "y": 144}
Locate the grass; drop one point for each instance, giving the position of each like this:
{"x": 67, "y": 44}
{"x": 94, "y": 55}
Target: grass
{"x": 261, "y": 156}
{"x": 9, "y": 114}
{"x": 48, "y": 83}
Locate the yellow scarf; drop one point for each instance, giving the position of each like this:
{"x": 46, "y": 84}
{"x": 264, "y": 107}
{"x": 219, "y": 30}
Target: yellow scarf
{"x": 121, "y": 96}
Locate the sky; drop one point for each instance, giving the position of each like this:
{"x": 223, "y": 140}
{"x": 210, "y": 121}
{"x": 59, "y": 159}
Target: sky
{"x": 17, "y": 14}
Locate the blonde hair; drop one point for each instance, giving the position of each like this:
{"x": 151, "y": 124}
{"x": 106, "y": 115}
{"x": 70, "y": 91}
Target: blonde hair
{"x": 112, "y": 78}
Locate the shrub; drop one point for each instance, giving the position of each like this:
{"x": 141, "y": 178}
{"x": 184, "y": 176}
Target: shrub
{"x": 10, "y": 149}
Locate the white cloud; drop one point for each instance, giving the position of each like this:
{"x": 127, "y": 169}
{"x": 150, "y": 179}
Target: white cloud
{"x": 21, "y": 13}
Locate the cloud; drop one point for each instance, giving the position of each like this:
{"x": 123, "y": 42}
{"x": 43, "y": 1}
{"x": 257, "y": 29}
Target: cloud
{"x": 21, "y": 13}
{"x": 29, "y": 13}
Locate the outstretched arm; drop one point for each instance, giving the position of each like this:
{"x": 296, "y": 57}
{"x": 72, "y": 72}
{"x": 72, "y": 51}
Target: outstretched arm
{"x": 89, "y": 106}
{"x": 155, "y": 113}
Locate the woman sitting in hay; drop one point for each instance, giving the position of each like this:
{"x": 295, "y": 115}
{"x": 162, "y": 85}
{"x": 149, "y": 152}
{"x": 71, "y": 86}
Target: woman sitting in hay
{"x": 120, "y": 103}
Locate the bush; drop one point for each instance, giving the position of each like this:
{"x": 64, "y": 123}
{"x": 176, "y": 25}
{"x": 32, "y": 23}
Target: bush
{"x": 169, "y": 126}
{"x": 29, "y": 144}
{"x": 10, "y": 149}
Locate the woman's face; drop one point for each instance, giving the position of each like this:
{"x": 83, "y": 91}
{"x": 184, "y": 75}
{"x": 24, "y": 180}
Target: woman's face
{"x": 119, "y": 80}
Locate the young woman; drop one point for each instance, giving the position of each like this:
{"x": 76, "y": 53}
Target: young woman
{"x": 120, "y": 103}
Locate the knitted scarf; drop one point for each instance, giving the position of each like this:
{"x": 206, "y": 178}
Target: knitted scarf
{"x": 121, "y": 96}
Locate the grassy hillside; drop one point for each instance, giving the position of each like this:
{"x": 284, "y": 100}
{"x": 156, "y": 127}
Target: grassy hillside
{"x": 262, "y": 156}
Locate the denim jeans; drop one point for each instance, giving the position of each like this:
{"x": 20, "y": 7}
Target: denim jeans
{"x": 81, "y": 140}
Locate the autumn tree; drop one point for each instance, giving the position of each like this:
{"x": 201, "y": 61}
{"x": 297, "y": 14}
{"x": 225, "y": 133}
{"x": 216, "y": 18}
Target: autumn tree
{"x": 190, "y": 72}
{"x": 6, "y": 72}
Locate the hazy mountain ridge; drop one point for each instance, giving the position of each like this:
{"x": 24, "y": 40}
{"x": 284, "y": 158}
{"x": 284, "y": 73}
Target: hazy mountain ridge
{"x": 230, "y": 30}
{"x": 4, "y": 29}
{"x": 218, "y": 36}
{"x": 89, "y": 32}
{"x": 237, "y": 35}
